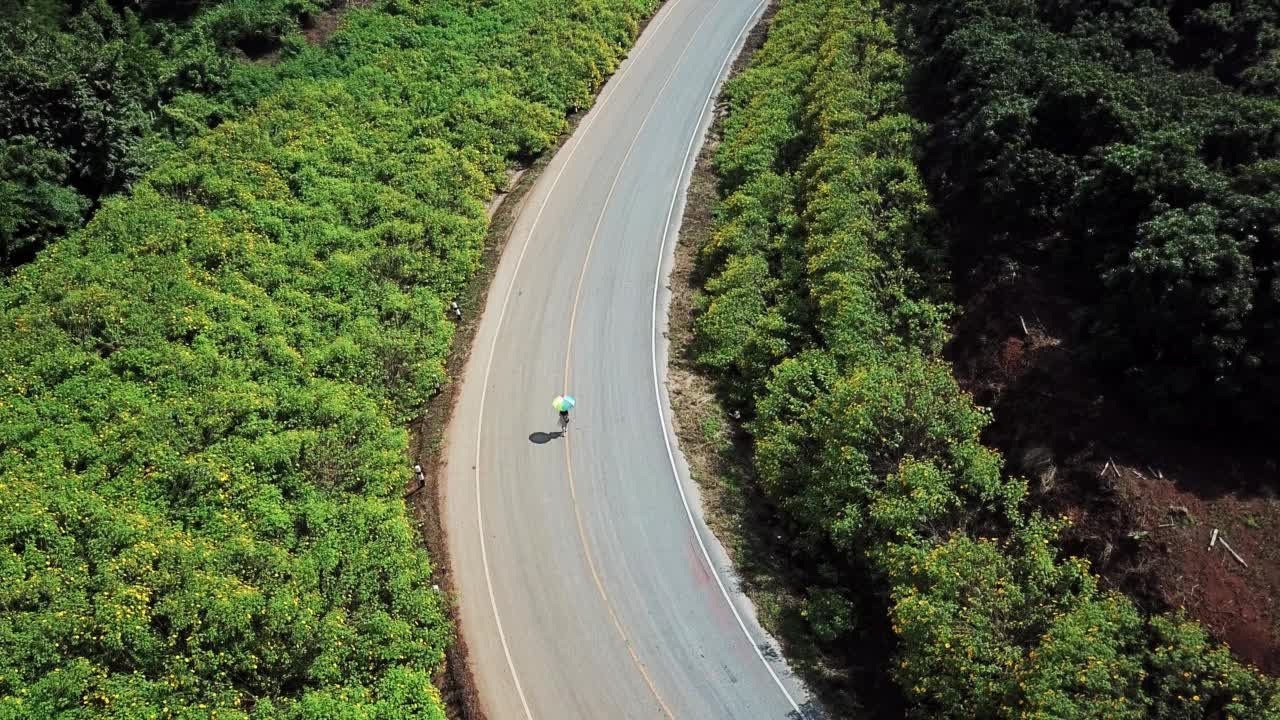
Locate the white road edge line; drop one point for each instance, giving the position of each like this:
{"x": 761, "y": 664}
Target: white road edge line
{"x": 699, "y": 131}
{"x": 581, "y": 131}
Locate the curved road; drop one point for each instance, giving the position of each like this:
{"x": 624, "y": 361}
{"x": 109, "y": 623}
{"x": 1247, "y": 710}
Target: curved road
{"x": 588, "y": 585}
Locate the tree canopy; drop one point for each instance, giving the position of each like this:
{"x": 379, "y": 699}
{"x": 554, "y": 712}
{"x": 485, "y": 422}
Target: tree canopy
{"x": 823, "y": 317}
{"x": 1135, "y": 146}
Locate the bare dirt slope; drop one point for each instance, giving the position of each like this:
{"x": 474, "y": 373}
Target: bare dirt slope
{"x": 1144, "y": 501}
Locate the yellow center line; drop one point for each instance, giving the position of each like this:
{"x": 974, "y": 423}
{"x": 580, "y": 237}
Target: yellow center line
{"x": 568, "y": 355}
{"x": 497, "y": 333}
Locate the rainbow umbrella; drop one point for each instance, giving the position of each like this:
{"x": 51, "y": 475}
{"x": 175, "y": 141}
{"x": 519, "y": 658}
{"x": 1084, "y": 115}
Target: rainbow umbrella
{"x": 564, "y": 403}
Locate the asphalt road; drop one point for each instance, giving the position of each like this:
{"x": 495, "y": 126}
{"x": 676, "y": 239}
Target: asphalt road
{"x": 588, "y": 585}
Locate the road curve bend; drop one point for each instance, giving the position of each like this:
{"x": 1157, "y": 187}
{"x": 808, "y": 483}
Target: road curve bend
{"x": 587, "y": 583}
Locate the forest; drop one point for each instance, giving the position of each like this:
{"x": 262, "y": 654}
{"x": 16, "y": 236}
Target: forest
{"x": 204, "y": 390}
{"x": 1136, "y": 146}
{"x": 869, "y": 148}
{"x": 93, "y": 93}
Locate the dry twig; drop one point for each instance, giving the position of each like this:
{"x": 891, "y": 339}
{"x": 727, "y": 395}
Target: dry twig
{"x": 1234, "y": 554}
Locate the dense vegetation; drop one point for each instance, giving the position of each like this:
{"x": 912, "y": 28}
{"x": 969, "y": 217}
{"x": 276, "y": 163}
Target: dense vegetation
{"x": 823, "y": 319}
{"x": 202, "y": 392}
{"x": 92, "y": 93}
{"x": 1135, "y": 146}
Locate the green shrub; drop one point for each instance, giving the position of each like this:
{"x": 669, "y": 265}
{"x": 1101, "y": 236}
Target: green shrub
{"x": 887, "y": 452}
{"x": 1189, "y": 676}
{"x": 830, "y": 614}
{"x": 35, "y": 200}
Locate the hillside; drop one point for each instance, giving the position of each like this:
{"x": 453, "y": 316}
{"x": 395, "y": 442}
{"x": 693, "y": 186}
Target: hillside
{"x": 1105, "y": 177}
{"x": 827, "y": 316}
{"x": 204, "y": 392}
{"x": 94, "y": 93}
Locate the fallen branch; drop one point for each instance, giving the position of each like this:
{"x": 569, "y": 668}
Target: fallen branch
{"x": 1025, "y": 331}
{"x": 1234, "y": 554}
{"x": 1213, "y": 538}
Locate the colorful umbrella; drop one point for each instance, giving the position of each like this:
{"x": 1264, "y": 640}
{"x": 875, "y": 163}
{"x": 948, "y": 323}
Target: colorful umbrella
{"x": 564, "y": 403}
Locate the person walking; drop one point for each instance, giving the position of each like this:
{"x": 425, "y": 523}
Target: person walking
{"x": 563, "y": 404}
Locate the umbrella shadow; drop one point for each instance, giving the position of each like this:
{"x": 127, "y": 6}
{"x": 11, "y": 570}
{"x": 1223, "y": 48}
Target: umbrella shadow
{"x": 542, "y": 438}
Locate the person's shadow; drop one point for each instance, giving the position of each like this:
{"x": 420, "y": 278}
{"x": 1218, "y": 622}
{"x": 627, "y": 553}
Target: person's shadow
{"x": 542, "y": 438}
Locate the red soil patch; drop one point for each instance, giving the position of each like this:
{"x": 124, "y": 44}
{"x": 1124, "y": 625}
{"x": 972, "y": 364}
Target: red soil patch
{"x": 318, "y": 28}
{"x": 1236, "y": 602}
{"x": 1012, "y": 357}
{"x": 1144, "y": 523}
